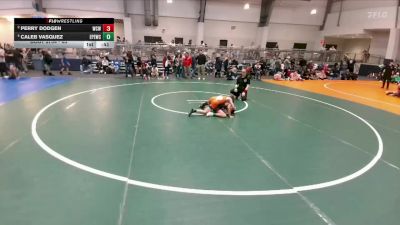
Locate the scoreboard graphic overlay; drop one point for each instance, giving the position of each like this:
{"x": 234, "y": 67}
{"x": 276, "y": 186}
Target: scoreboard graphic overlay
{"x": 64, "y": 33}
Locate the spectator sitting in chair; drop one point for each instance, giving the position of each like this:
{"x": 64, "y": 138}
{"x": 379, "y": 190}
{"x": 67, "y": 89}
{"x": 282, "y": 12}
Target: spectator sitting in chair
{"x": 14, "y": 72}
{"x": 278, "y": 76}
{"x": 104, "y": 65}
{"x": 294, "y": 76}
{"x": 85, "y": 65}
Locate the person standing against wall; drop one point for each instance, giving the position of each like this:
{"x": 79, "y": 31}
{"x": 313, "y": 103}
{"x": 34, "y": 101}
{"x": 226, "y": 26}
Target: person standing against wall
{"x": 201, "y": 61}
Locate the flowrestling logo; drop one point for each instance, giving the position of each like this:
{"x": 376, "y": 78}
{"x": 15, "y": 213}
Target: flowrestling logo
{"x": 378, "y": 14}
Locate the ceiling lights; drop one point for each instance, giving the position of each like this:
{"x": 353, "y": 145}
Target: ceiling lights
{"x": 313, "y": 12}
{"x": 246, "y": 6}
{"x": 169, "y": 1}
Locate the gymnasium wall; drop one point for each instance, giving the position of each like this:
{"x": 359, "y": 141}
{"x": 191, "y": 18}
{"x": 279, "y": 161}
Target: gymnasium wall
{"x": 349, "y": 5}
{"x": 356, "y": 45}
{"x": 290, "y": 22}
{"x": 354, "y": 22}
{"x": 15, "y": 4}
{"x": 287, "y": 34}
{"x": 6, "y": 31}
{"x": 237, "y": 33}
{"x": 379, "y": 42}
{"x": 114, "y": 6}
{"x": 299, "y": 15}
{"x": 168, "y": 28}
{"x": 223, "y": 20}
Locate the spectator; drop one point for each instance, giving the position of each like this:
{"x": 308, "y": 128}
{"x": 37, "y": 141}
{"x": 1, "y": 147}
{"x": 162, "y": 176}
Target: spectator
{"x": 104, "y": 65}
{"x": 343, "y": 69}
{"x": 257, "y": 71}
{"x": 24, "y": 54}
{"x": 153, "y": 60}
{"x": 303, "y": 65}
{"x": 64, "y": 65}
{"x": 129, "y": 64}
{"x": 47, "y": 61}
{"x": 294, "y": 76}
{"x": 194, "y": 68}
{"x": 226, "y": 65}
{"x": 278, "y": 76}
{"x": 278, "y": 67}
{"x": 16, "y": 58}
{"x": 218, "y": 67}
{"x": 210, "y": 67}
{"x": 154, "y": 72}
{"x": 139, "y": 65}
{"x": 178, "y": 66}
{"x": 201, "y": 61}
{"x": 365, "y": 55}
{"x": 387, "y": 75}
{"x": 167, "y": 66}
{"x": 14, "y": 72}
{"x": 187, "y": 64}
{"x": 234, "y": 62}
{"x": 3, "y": 67}
{"x": 351, "y": 64}
{"x": 287, "y": 63}
{"x": 85, "y": 65}
{"x": 263, "y": 65}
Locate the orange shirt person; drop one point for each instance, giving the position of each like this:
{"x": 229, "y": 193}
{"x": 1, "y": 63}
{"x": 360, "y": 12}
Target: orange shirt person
{"x": 219, "y": 106}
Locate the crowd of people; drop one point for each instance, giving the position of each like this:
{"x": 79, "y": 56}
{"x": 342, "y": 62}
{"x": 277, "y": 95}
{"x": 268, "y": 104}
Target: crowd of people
{"x": 12, "y": 61}
{"x": 192, "y": 65}
{"x": 293, "y": 70}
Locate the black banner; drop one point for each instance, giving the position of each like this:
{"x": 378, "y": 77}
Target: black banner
{"x": 54, "y": 28}
{"x": 39, "y": 21}
{"x": 62, "y": 36}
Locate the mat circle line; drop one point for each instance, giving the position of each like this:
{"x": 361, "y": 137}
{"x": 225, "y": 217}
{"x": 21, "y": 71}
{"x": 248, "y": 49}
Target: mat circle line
{"x": 149, "y": 185}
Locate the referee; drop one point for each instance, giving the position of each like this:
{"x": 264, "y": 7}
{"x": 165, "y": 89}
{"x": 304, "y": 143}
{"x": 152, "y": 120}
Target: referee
{"x": 242, "y": 86}
{"x": 387, "y": 75}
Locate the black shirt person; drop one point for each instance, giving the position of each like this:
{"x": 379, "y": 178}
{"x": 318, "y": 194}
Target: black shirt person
{"x": 387, "y": 75}
{"x": 242, "y": 86}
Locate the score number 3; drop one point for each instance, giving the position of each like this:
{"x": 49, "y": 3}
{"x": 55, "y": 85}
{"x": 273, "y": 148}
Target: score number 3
{"x": 108, "y": 27}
